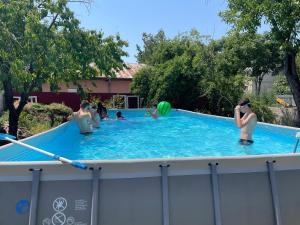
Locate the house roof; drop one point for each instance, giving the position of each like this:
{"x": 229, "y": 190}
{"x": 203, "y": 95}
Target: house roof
{"x": 127, "y": 72}
{"x": 130, "y": 71}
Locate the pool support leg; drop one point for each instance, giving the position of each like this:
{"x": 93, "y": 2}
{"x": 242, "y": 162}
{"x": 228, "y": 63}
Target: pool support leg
{"x": 296, "y": 146}
{"x": 274, "y": 191}
{"x": 165, "y": 194}
{"x": 95, "y": 196}
{"x": 216, "y": 193}
{"x": 36, "y": 174}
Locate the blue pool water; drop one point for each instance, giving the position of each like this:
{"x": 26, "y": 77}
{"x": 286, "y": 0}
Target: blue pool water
{"x": 181, "y": 134}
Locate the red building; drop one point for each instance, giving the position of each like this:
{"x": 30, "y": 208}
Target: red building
{"x": 101, "y": 87}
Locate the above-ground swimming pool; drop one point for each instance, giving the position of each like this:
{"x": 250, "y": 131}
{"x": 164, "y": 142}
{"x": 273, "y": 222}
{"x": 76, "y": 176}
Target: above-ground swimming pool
{"x": 180, "y": 134}
{"x": 186, "y": 168}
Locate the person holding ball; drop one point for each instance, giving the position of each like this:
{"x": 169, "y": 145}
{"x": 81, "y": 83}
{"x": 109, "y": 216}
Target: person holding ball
{"x": 153, "y": 113}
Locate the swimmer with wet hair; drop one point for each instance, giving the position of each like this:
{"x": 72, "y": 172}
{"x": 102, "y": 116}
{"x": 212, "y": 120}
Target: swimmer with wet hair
{"x": 83, "y": 118}
{"x": 246, "y": 123}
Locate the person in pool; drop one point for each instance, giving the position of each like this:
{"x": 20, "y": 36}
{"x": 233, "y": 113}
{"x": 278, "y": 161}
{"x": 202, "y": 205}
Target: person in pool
{"x": 247, "y": 123}
{"x": 119, "y": 116}
{"x": 153, "y": 113}
{"x": 102, "y": 111}
{"x": 83, "y": 118}
{"x": 95, "y": 117}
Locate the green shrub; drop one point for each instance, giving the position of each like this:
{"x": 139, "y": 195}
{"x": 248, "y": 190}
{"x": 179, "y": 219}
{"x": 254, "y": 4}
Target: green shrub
{"x": 94, "y": 100}
{"x": 108, "y": 103}
{"x": 3, "y": 118}
{"x": 268, "y": 98}
{"x": 119, "y": 102}
{"x": 288, "y": 118}
{"x": 281, "y": 86}
{"x": 58, "y": 113}
{"x": 35, "y": 108}
{"x": 37, "y": 118}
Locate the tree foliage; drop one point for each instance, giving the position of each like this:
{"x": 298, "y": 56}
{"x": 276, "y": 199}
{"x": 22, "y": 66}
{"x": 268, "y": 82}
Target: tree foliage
{"x": 221, "y": 83}
{"x": 171, "y": 74}
{"x": 41, "y": 41}
{"x": 255, "y": 55}
{"x": 283, "y": 17}
{"x": 184, "y": 71}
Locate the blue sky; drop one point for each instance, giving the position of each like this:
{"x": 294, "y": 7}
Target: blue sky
{"x": 130, "y": 18}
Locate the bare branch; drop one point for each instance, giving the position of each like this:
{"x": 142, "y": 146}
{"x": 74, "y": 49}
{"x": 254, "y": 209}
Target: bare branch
{"x": 86, "y": 3}
{"x": 53, "y": 21}
{"x": 82, "y": 1}
{"x": 39, "y": 5}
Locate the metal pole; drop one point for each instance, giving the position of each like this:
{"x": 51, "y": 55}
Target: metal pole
{"x": 165, "y": 194}
{"x": 95, "y": 196}
{"x": 216, "y": 193}
{"x": 297, "y": 142}
{"x": 295, "y": 149}
{"x": 36, "y": 174}
{"x": 275, "y": 197}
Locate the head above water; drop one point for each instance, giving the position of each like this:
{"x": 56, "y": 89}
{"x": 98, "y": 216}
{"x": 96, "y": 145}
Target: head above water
{"x": 85, "y": 105}
{"x": 245, "y": 106}
{"x": 119, "y": 114}
{"x": 245, "y": 102}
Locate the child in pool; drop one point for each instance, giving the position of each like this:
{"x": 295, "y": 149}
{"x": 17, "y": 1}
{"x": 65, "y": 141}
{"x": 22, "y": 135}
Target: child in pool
{"x": 95, "y": 117}
{"x": 153, "y": 113}
{"x": 119, "y": 116}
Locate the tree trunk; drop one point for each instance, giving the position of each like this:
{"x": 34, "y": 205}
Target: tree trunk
{"x": 258, "y": 88}
{"x": 9, "y": 101}
{"x": 260, "y": 80}
{"x": 14, "y": 113}
{"x": 13, "y": 123}
{"x": 293, "y": 79}
{"x": 256, "y": 85}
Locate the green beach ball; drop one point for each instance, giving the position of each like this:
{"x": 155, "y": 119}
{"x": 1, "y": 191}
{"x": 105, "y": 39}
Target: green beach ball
{"x": 164, "y": 108}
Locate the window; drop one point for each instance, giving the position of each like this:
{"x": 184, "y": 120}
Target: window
{"x": 72, "y": 90}
{"x": 133, "y": 101}
{"x": 32, "y": 99}
{"x": 120, "y": 102}
{"x": 17, "y": 98}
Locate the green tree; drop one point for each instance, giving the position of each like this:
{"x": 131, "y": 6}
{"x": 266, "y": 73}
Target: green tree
{"x": 256, "y": 55}
{"x": 40, "y": 42}
{"x": 283, "y": 18}
{"x": 221, "y": 84}
{"x": 170, "y": 75}
{"x": 141, "y": 83}
{"x": 147, "y": 54}
{"x": 185, "y": 69}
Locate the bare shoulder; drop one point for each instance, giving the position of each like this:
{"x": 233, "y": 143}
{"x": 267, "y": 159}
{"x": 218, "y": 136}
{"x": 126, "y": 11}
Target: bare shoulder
{"x": 253, "y": 115}
{"x": 75, "y": 115}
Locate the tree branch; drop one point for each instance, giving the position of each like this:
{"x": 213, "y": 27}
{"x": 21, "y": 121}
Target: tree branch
{"x": 53, "y": 21}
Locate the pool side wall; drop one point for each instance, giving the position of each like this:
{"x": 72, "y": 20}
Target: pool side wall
{"x": 130, "y": 192}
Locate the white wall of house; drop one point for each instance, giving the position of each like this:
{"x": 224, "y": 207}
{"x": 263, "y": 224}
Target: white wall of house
{"x": 266, "y": 84}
